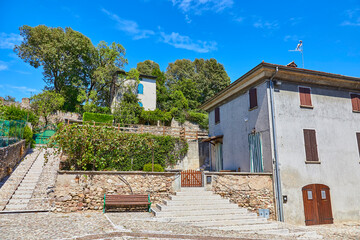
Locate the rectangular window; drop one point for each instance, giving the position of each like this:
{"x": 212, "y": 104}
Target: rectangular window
{"x": 310, "y": 145}
{"x": 217, "y": 115}
{"x": 358, "y": 140}
{"x": 355, "y": 100}
{"x": 305, "y": 97}
{"x": 253, "y": 98}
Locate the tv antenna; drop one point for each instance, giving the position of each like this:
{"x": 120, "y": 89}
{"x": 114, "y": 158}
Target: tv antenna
{"x": 299, "y": 48}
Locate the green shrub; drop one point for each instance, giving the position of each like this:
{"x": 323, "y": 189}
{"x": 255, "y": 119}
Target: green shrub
{"x": 28, "y": 136}
{"x": 98, "y": 117}
{"x": 157, "y": 168}
{"x": 200, "y": 118}
{"x": 151, "y": 117}
{"x": 13, "y": 112}
{"x": 102, "y": 148}
{"x": 60, "y": 125}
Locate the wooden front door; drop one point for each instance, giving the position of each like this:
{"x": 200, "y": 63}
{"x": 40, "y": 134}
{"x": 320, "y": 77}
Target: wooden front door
{"x": 317, "y": 204}
{"x": 191, "y": 178}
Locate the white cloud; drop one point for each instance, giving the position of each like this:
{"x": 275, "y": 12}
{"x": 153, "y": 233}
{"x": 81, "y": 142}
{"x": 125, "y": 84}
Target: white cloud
{"x": 22, "y": 89}
{"x": 199, "y": 6}
{"x": 178, "y": 41}
{"x": 295, "y": 38}
{"x": 129, "y": 26}
{"x": 8, "y": 40}
{"x": 266, "y": 24}
{"x": 3, "y": 67}
{"x": 353, "y": 18}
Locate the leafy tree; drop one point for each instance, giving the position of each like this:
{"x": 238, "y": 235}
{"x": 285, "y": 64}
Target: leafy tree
{"x": 147, "y": 67}
{"x": 199, "y": 80}
{"x": 72, "y": 65}
{"x": 9, "y": 98}
{"x": 46, "y": 103}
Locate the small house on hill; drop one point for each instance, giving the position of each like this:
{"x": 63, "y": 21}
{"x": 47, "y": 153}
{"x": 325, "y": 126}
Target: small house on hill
{"x": 145, "y": 90}
{"x": 301, "y": 125}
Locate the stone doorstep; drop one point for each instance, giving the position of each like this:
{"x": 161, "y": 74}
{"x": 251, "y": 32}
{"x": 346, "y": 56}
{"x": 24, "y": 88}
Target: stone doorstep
{"x": 248, "y": 227}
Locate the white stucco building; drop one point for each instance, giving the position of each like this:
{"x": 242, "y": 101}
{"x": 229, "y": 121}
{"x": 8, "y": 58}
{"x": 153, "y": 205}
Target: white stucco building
{"x": 299, "y": 124}
{"x": 145, "y": 90}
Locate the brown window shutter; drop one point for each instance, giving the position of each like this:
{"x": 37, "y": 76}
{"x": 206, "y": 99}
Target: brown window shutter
{"x": 355, "y": 100}
{"x": 305, "y": 96}
{"x": 310, "y": 145}
{"x": 358, "y": 140}
{"x": 217, "y": 115}
{"x": 253, "y": 98}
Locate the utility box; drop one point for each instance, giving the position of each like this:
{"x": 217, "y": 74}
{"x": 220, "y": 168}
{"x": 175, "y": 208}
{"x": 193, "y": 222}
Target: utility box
{"x": 265, "y": 213}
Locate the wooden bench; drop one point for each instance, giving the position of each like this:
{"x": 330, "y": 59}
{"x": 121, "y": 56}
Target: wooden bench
{"x": 111, "y": 200}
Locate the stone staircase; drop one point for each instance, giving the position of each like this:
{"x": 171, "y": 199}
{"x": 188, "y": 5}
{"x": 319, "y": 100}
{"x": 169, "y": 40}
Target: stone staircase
{"x": 21, "y": 197}
{"x": 197, "y": 207}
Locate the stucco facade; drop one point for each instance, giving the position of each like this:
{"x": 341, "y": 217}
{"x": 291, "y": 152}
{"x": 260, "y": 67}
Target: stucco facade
{"x": 281, "y": 121}
{"x": 145, "y": 90}
{"x": 339, "y": 163}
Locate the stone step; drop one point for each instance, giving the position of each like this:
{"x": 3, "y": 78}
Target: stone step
{"x": 247, "y": 227}
{"x": 218, "y": 217}
{"x": 279, "y": 231}
{"x": 195, "y": 198}
{"x": 225, "y": 222}
{"x": 15, "y": 207}
{"x": 18, "y": 201}
{"x": 193, "y": 189}
{"x": 194, "y": 193}
{"x": 195, "y": 203}
{"x": 184, "y": 213}
{"x": 25, "y": 188}
{"x": 196, "y": 207}
{"x": 24, "y": 196}
{"x": 24, "y": 192}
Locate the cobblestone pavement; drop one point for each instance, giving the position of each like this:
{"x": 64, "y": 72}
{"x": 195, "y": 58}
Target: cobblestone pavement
{"x": 95, "y": 225}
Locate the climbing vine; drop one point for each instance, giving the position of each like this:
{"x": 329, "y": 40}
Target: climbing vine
{"x": 89, "y": 147}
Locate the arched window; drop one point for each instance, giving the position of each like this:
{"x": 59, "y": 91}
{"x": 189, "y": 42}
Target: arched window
{"x": 140, "y": 89}
{"x": 140, "y": 104}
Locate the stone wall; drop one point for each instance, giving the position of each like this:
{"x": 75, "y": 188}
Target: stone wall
{"x": 10, "y": 156}
{"x": 79, "y": 191}
{"x": 249, "y": 190}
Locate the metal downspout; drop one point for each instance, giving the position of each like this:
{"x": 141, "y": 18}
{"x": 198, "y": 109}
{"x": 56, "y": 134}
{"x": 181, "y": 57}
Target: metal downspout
{"x": 279, "y": 203}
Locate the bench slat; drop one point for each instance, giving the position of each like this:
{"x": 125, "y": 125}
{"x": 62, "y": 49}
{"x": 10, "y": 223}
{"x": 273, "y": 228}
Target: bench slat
{"x": 114, "y": 200}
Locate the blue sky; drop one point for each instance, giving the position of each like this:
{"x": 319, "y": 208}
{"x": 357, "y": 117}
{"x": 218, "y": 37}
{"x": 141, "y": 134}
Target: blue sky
{"x": 239, "y": 34}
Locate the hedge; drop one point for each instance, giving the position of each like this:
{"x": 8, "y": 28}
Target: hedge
{"x": 98, "y": 117}
{"x": 89, "y": 147}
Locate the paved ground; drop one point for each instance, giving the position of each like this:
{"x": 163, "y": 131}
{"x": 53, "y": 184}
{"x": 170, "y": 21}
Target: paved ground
{"x": 95, "y": 225}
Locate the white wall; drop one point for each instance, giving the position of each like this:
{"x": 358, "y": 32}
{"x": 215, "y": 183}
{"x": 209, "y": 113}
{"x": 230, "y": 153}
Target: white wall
{"x": 148, "y": 99}
{"x": 236, "y": 130}
{"x": 336, "y": 126}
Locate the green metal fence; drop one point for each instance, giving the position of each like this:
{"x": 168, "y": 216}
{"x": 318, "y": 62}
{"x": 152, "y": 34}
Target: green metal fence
{"x": 44, "y": 134}
{"x": 11, "y": 131}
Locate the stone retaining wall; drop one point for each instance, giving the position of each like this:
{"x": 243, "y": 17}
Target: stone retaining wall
{"x": 10, "y": 156}
{"x": 249, "y": 190}
{"x": 80, "y": 190}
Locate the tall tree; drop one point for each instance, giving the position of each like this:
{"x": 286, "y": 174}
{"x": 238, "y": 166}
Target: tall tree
{"x": 147, "y": 67}
{"x": 72, "y": 65}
